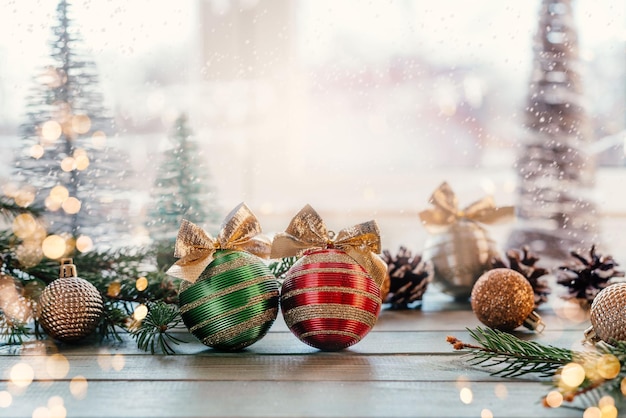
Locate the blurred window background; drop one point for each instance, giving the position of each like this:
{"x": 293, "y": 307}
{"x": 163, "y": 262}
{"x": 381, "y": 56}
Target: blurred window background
{"x": 360, "y": 109}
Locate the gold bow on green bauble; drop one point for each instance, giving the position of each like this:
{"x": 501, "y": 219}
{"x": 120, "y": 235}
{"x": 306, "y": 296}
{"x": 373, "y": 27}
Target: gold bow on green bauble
{"x": 195, "y": 248}
{"x": 307, "y": 231}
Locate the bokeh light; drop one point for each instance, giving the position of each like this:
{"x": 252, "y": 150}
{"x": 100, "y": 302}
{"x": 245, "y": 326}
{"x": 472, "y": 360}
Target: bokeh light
{"x": 501, "y": 391}
{"x": 51, "y": 131}
{"x": 57, "y": 366}
{"x": 5, "y": 399}
{"x": 622, "y": 386}
{"x": 71, "y": 205}
{"x": 82, "y": 162}
{"x": 68, "y": 164}
{"x": 24, "y": 225}
{"x": 52, "y": 204}
{"x": 78, "y": 387}
{"x": 554, "y": 399}
{"x": 608, "y": 411}
{"x": 53, "y": 247}
{"x": 140, "y": 312}
{"x": 24, "y": 196}
{"x": 608, "y": 366}
{"x": 114, "y": 289}
{"x": 466, "y": 396}
{"x": 59, "y": 193}
{"x": 36, "y": 151}
{"x": 572, "y": 375}
{"x": 29, "y": 253}
{"x": 81, "y": 124}
{"x": 118, "y": 362}
{"x": 41, "y": 412}
{"x": 99, "y": 139}
{"x": 141, "y": 284}
{"x": 486, "y": 413}
{"x": 592, "y": 412}
{"x": 84, "y": 243}
{"x": 22, "y": 374}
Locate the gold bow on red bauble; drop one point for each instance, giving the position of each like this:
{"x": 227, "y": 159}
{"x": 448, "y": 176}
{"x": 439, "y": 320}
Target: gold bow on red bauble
{"x": 307, "y": 231}
{"x": 240, "y": 231}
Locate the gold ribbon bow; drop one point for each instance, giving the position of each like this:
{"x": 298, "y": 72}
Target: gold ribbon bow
{"x": 240, "y": 231}
{"x": 308, "y": 231}
{"x": 446, "y": 211}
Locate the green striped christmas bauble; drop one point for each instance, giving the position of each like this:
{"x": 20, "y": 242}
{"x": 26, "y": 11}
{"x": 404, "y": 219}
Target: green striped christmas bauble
{"x": 233, "y": 303}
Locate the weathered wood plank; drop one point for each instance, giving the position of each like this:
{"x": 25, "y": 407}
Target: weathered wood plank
{"x": 233, "y": 367}
{"x": 184, "y": 399}
{"x": 283, "y": 342}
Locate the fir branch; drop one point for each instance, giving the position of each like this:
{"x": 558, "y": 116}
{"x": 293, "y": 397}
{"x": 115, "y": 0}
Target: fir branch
{"x": 13, "y": 332}
{"x": 153, "y": 333}
{"x": 519, "y": 357}
{"x": 279, "y": 268}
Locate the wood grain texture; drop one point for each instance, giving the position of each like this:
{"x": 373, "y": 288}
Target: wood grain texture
{"x": 403, "y": 368}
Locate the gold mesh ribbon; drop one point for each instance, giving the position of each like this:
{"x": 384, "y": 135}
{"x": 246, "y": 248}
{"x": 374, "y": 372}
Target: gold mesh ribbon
{"x": 240, "y": 231}
{"x": 446, "y": 211}
{"x": 308, "y": 231}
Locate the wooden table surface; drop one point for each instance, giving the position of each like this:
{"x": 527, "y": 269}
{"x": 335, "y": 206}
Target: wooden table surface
{"x": 403, "y": 368}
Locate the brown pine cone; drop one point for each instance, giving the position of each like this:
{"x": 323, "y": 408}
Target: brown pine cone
{"x": 408, "y": 279}
{"x": 524, "y": 263}
{"x": 585, "y": 278}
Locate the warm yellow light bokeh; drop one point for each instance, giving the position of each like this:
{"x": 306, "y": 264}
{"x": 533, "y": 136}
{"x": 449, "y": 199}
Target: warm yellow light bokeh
{"x": 59, "y": 193}
{"x": 99, "y": 139}
{"x": 81, "y": 124}
{"x": 24, "y": 196}
{"x": 82, "y": 162}
{"x": 36, "y": 151}
{"x": 24, "y": 225}
{"x": 140, "y": 312}
{"x": 554, "y": 399}
{"x": 141, "y": 284}
{"x": 572, "y": 375}
{"x": 71, "y": 205}
{"x": 592, "y": 412}
{"x": 51, "y": 131}
{"x": 608, "y": 366}
{"x": 68, "y": 164}
{"x": 53, "y": 246}
{"x": 84, "y": 244}
{"x": 5, "y": 399}
{"x": 57, "y": 366}
{"x": 78, "y": 387}
{"x": 466, "y": 396}
{"x": 22, "y": 374}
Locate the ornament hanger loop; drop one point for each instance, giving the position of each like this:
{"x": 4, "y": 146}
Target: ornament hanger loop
{"x": 330, "y": 242}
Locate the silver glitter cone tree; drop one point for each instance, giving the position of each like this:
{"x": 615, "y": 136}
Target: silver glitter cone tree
{"x": 63, "y": 160}
{"x": 555, "y": 208}
{"x": 182, "y": 188}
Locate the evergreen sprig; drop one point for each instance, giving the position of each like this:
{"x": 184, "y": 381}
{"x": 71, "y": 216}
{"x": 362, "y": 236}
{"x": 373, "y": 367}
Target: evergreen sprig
{"x": 153, "y": 332}
{"x": 519, "y": 357}
{"x": 514, "y": 357}
{"x": 13, "y": 332}
{"x": 279, "y": 268}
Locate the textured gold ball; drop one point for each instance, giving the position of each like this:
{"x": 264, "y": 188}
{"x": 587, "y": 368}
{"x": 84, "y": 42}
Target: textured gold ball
{"x": 70, "y": 309}
{"x": 502, "y": 298}
{"x": 608, "y": 313}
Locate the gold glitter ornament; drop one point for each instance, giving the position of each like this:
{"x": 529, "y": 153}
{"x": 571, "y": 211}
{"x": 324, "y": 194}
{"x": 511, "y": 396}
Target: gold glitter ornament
{"x": 70, "y": 307}
{"x": 608, "y": 315}
{"x": 503, "y": 299}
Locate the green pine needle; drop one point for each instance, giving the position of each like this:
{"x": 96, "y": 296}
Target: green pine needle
{"x": 152, "y": 334}
{"x": 513, "y": 356}
{"x": 279, "y": 268}
{"x": 12, "y": 332}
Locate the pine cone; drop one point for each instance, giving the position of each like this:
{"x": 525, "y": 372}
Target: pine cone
{"x": 524, "y": 263}
{"x": 587, "y": 277}
{"x": 408, "y": 278}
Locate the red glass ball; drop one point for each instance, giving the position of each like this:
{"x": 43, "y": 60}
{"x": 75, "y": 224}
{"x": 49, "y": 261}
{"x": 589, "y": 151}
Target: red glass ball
{"x": 328, "y": 300}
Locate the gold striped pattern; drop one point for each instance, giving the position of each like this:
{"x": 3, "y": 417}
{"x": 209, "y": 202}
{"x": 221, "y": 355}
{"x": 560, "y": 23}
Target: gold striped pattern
{"x": 241, "y": 261}
{"x": 232, "y": 332}
{"x": 347, "y": 290}
{"x": 251, "y": 302}
{"x": 329, "y": 270}
{"x": 352, "y": 335}
{"x": 328, "y": 310}
{"x": 186, "y": 308}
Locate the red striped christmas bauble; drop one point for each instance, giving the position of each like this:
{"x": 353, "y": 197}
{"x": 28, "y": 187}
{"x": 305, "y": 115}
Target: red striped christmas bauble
{"x": 328, "y": 300}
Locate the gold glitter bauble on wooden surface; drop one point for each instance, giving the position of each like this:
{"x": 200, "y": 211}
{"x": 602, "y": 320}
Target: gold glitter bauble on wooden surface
{"x": 70, "y": 307}
{"x": 503, "y": 299}
{"x": 608, "y": 313}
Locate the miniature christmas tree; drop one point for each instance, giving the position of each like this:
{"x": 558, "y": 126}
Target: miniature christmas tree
{"x": 63, "y": 159}
{"x": 556, "y": 174}
{"x": 182, "y": 189}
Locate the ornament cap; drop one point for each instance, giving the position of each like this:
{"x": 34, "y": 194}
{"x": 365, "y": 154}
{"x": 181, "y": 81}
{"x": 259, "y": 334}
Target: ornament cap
{"x": 68, "y": 268}
{"x": 591, "y": 336}
{"x": 534, "y": 322}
